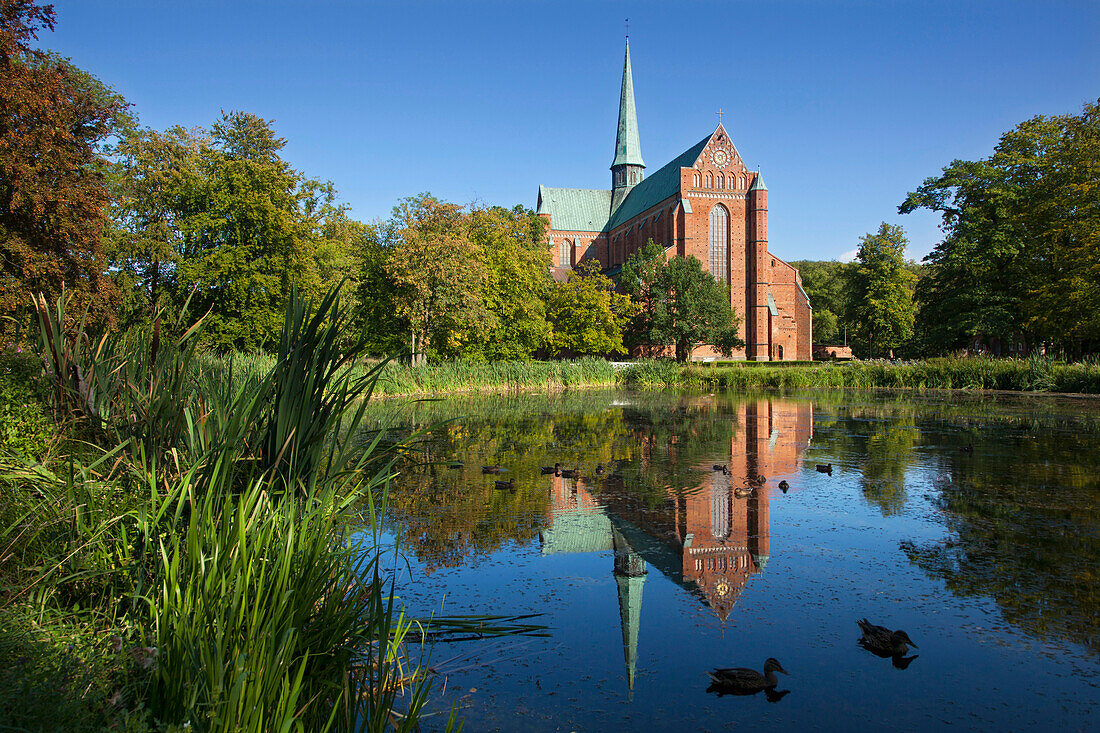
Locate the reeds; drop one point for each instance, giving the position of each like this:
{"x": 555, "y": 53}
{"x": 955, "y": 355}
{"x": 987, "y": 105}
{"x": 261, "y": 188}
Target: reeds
{"x": 968, "y": 373}
{"x": 226, "y": 527}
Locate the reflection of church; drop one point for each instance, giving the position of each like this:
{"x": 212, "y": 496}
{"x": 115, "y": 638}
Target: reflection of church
{"x": 709, "y": 538}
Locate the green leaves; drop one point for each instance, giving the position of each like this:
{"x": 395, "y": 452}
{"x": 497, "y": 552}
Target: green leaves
{"x": 881, "y": 308}
{"x": 679, "y": 304}
{"x": 587, "y": 315}
{"x": 1019, "y": 263}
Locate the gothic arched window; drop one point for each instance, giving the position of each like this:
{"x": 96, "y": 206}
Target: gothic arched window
{"x": 721, "y": 181}
{"x": 565, "y": 254}
{"x": 719, "y": 242}
{"x": 695, "y": 180}
{"x": 710, "y": 181}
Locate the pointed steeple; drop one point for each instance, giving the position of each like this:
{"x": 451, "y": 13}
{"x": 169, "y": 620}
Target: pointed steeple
{"x": 630, "y": 576}
{"x": 628, "y": 151}
{"x": 626, "y": 170}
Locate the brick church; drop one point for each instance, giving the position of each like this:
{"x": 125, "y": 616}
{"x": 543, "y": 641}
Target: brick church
{"x": 705, "y": 203}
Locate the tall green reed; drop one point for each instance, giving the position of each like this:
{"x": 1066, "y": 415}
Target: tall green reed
{"x": 239, "y": 533}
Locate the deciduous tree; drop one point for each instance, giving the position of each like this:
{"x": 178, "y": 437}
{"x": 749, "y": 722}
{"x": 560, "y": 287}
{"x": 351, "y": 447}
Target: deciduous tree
{"x": 1020, "y": 260}
{"x": 881, "y": 308}
{"x": 53, "y": 120}
{"x": 680, "y": 303}
{"x": 587, "y": 315}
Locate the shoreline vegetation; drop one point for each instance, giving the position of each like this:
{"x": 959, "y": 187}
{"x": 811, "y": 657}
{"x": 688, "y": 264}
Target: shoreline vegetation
{"x": 979, "y": 373}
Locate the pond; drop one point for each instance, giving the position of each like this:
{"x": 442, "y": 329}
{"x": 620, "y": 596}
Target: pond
{"x": 973, "y": 523}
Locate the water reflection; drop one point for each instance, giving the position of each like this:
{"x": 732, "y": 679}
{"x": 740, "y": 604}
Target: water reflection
{"x": 941, "y": 518}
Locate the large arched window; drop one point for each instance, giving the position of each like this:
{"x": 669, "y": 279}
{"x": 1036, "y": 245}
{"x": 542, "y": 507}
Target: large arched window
{"x": 720, "y": 492}
{"x": 719, "y": 242}
{"x": 695, "y": 180}
{"x": 721, "y": 181}
{"x": 710, "y": 181}
{"x": 565, "y": 254}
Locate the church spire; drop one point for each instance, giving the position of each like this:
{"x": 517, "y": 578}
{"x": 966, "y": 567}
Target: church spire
{"x": 628, "y": 151}
{"x": 626, "y": 170}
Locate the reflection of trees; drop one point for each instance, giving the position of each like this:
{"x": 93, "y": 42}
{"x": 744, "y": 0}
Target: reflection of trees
{"x": 1028, "y": 536}
{"x": 876, "y": 440}
{"x": 446, "y": 516}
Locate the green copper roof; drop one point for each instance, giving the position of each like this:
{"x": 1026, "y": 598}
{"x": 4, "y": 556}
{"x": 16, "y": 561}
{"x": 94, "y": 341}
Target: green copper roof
{"x": 577, "y": 531}
{"x": 657, "y": 187}
{"x": 628, "y": 150}
{"x": 575, "y": 209}
{"x": 758, "y": 183}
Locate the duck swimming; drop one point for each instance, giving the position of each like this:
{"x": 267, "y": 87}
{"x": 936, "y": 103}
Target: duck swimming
{"x": 744, "y": 681}
{"x": 825, "y": 468}
{"x": 783, "y": 485}
{"x": 555, "y": 469}
{"x": 491, "y": 469}
{"x": 883, "y": 642}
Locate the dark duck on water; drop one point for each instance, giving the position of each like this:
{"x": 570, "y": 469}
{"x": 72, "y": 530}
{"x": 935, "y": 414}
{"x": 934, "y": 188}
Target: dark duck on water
{"x": 745, "y": 681}
{"x": 883, "y": 642}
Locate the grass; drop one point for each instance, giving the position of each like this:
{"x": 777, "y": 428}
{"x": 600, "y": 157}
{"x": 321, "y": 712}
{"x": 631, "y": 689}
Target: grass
{"x": 974, "y": 373}
{"x": 208, "y": 559}
{"x": 398, "y": 379}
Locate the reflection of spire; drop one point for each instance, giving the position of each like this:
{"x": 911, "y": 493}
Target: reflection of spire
{"x": 630, "y": 575}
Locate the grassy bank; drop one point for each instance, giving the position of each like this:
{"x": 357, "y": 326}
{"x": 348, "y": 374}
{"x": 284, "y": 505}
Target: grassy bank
{"x": 396, "y": 378}
{"x": 1023, "y": 375}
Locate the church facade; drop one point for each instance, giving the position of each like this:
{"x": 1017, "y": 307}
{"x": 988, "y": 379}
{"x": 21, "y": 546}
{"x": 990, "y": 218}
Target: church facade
{"x": 705, "y": 203}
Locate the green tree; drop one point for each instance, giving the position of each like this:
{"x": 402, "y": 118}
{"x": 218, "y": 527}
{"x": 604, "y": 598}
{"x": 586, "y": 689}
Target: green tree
{"x": 881, "y": 308}
{"x": 512, "y": 246}
{"x": 438, "y": 276}
{"x": 219, "y": 218}
{"x": 680, "y": 303}
{"x": 54, "y": 121}
{"x": 587, "y": 315}
{"x": 826, "y": 284}
{"x": 1019, "y": 262}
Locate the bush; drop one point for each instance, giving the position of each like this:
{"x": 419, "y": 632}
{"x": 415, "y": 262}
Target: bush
{"x": 25, "y": 428}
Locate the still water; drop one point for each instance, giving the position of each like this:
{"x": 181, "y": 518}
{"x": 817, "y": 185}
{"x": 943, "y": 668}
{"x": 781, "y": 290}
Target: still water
{"x": 972, "y": 524}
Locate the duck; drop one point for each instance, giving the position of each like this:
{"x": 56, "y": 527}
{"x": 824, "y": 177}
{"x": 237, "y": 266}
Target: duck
{"x": 721, "y": 467}
{"x": 742, "y": 492}
{"x": 760, "y": 480}
{"x": 744, "y": 681}
{"x": 510, "y": 484}
{"x": 491, "y": 469}
{"x": 555, "y": 469}
{"x": 569, "y": 472}
{"x": 883, "y": 642}
{"x": 968, "y": 448}
{"x": 825, "y": 468}
{"x": 599, "y": 469}
{"x": 783, "y": 486}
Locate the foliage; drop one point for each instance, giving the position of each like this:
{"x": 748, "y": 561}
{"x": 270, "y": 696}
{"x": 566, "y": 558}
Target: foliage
{"x": 1018, "y": 264}
{"x": 1028, "y": 375}
{"x": 438, "y": 276}
{"x": 219, "y": 217}
{"x": 450, "y": 283}
{"x": 587, "y": 315}
{"x": 880, "y": 304}
{"x": 25, "y": 428}
{"x": 826, "y": 284}
{"x": 681, "y": 304}
{"x": 513, "y": 248}
{"x": 53, "y": 120}
{"x": 244, "y": 605}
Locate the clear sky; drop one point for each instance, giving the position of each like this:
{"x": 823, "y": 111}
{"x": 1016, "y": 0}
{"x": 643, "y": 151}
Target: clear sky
{"x": 845, "y": 106}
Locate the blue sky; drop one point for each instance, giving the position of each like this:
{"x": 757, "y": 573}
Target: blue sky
{"x": 845, "y": 106}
